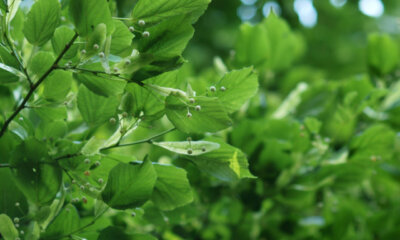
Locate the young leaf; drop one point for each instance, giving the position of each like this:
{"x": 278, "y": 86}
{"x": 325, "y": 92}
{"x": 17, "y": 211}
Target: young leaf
{"x": 211, "y": 118}
{"x": 41, "y": 21}
{"x": 66, "y": 222}
{"x": 7, "y": 228}
{"x": 87, "y": 14}
{"x": 102, "y": 84}
{"x": 153, "y": 11}
{"x": 172, "y": 188}
{"x": 236, "y": 87}
{"x": 226, "y": 163}
{"x": 7, "y": 58}
{"x": 10, "y": 194}
{"x": 195, "y": 147}
{"x": 129, "y": 186}
{"x": 96, "y": 109}
{"x": 36, "y": 175}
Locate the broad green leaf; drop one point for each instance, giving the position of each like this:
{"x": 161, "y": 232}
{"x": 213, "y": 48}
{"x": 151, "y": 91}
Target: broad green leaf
{"x": 165, "y": 42}
{"x": 267, "y": 45}
{"x": 129, "y": 186}
{"x": 66, "y": 222}
{"x": 150, "y": 100}
{"x": 195, "y": 147}
{"x": 87, "y": 14}
{"x": 96, "y": 109}
{"x": 313, "y": 125}
{"x": 57, "y": 85}
{"x": 42, "y": 20}
{"x": 100, "y": 84}
{"x": 7, "y": 59}
{"x": 121, "y": 38}
{"x": 40, "y": 63}
{"x": 237, "y": 87}
{"x": 51, "y": 129}
{"x": 291, "y": 102}
{"x": 226, "y": 163}
{"x": 49, "y": 113}
{"x": 9, "y": 74}
{"x": 9, "y": 195}
{"x": 36, "y": 174}
{"x": 172, "y": 188}
{"x": 97, "y": 37}
{"x": 383, "y": 53}
{"x": 62, "y": 36}
{"x": 153, "y": 11}
{"x": 7, "y": 228}
{"x": 212, "y": 116}
{"x": 13, "y": 6}
{"x": 118, "y": 233}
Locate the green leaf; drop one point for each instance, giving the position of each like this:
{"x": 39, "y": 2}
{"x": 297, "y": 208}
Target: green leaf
{"x": 36, "y": 174}
{"x": 40, "y": 63}
{"x": 9, "y": 195}
{"x": 118, "y": 233}
{"x": 66, "y": 222}
{"x": 7, "y": 228}
{"x": 61, "y": 38}
{"x": 57, "y": 85}
{"x": 121, "y": 38}
{"x": 129, "y": 186}
{"x": 383, "y": 53}
{"x": 267, "y": 45}
{"x": 239, "y": 85}
{"x": 51, "y": 113}
{"x": 166, "y": 42}
{"x": 172, "y": 188}
{"x": 196, "y": 147}
{"x": 87, "y": 14}
{"x": 153, "y": 11}
{"x": 13, "y": 6}
{"x": 9, "y": 74}
{"x": 226, "y": 163}
{"x": 313, "y": 124}
{"x": 100, "y": 84}
{"x": 211, "y": 118}
{"x": 96, "y": 109}
{"x": 3, "y": 5}
{"x": 7, "y": 58}
{"x": 42, "y": 20}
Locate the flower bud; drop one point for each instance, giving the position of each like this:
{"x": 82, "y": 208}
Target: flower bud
{"x": 131, "y": 28}
{"x": 141, "y": 23}
{"x": 146, "y": 34}
{"x": 198, "y": 108}
{"x": 96, "y": 46}
{"x": 213, "y": 89}
{"x": 223, "y": 89}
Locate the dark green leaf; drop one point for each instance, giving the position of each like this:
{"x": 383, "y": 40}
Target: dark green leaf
{"x": 96, "y": 109}
{"x": 57, "y": 85}
{"x": 129, "y": 186}
{"x": 36, "y": 174}
{"x": 66, "y": 222}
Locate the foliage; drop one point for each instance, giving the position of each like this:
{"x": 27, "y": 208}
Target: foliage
{"x": 113, "y": 126}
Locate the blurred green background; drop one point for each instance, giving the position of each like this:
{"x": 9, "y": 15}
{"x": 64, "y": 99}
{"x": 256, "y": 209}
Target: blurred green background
{"x": 322, "y": 135}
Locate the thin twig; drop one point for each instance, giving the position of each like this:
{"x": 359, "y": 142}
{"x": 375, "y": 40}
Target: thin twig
{"x": 19, "y": 59}
{"x": 147, "y": 140}
{"x": 94, "y": 72}
{"x": 36, "y": 85}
